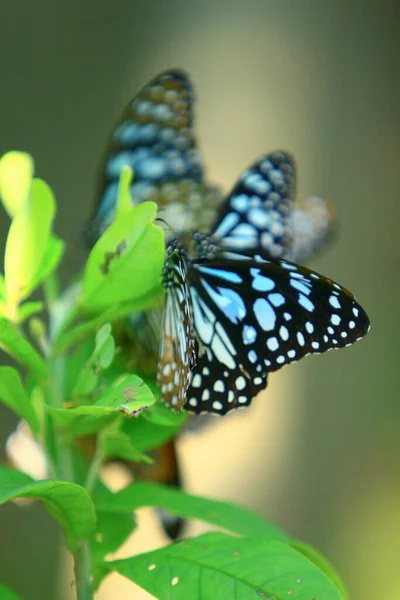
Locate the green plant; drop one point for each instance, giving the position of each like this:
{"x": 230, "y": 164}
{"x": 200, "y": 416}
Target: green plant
{"x": 69, "y": 382}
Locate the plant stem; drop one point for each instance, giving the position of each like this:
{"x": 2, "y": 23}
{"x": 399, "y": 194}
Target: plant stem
{"x": 82, "y": 568}
{"x": 51, "y": 289}
{"x": 63, "y": 310}
{"x": 63, "y": 460}
{"x": 94, "y": 467}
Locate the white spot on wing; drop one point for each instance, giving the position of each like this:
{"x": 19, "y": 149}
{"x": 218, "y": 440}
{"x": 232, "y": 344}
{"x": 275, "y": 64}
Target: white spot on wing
{"x": 276, "y": 299}
{"x": 300, "y": 338}
{"x": 264, "y": 314}
{"x": 273, "y": 344}
{"x": 333, "y": 301}
{"x": 306, "y": 303}
{"x": 249, "y": 334}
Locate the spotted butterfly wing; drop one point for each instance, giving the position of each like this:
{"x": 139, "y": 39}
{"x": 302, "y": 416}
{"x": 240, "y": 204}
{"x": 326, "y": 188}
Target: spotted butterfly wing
{"x": 263, "y": 212}
{"x": 252, "y": 317}
{"x": 256, "y": 215}
{"x": 155, "y": 137}
{"x": 177, "y": 354}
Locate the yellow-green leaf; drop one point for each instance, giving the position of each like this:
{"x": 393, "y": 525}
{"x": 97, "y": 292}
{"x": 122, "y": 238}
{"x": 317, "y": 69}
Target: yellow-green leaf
{"x": 16, "y": 172}
{"x": 19, "y": 348}
{"x": 124, "y": 199}
{"x": 27, "y": 241}
{"x": 13, "y": 394}
{"x": 126, "y": 262}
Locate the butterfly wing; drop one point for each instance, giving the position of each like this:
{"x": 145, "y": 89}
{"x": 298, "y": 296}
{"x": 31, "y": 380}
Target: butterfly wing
{"x": 177, "y": 346}
{"x": 216, "y": 388}
{"x": 155, "y": 137}
{"x": 252, "y": 317}
{"x": 256, "y": 213}
{"x": 262, "y": 212}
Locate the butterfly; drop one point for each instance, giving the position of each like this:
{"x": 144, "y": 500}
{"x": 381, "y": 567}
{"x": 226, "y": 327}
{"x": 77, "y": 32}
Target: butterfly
{"x": 252, "y": 313}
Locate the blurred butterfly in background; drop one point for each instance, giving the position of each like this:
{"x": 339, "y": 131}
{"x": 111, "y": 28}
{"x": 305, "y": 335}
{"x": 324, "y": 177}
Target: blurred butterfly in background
{"x": 237, "y": 307}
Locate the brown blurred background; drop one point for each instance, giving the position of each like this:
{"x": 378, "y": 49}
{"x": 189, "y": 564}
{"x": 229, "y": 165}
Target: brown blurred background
{"x": 320, "y": 453}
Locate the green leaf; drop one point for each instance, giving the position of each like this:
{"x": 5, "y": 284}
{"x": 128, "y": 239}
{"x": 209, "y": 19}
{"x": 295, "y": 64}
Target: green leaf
{"x": 13, "y": 395}
{"x": 114, "y": 312}
{"x": 117, "y": 444}
{"x": 19, "y": 348}
{"x": 112, "y": 530}
{"x": 321, "y": 562}
{"x": 129, "y": 395}
{"x": 124, "y": 199}
{"x": 126, "y": 262}
{"x": 222, "y": 514}
{"x": 83, "y": 420}
{"x": 159, "y": 414}
{"x": 51, "y": 259}
{"x": 100, "y": 359}
{"x": 69, "y": 503}
{"x": 2, "y": 288}
{"x": 27, "y": 242}
{"x": 16, "y": 172}
{"x": 28, "y": 309}
{"x": 215, "y": 566}
{"x": 7, "y": 594}
{"x": 12, "y": 477}
{"x": 148, "y": 435}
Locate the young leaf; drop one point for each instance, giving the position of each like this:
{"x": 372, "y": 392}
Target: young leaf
{"x": 129, "y": 395}
{"x": 50, "y": 261}
{"x": 124, "y": 199}
{"x": 16, "y": 172}
{"x": 19, "y": 348}
{"x": 117, "y": 311}
{"x": 7, "y": 594}
{"x": 126, "y": 262}
{"x": 83, "y": 420}
{"x": 69, "y": 503}
{"x": 117, "y": 444}
{"x": 2, "y": 288}
{"x": 222, "y": 514}
{"x": 100, "y": 359}
{"x": 13, "y": 395}
{"x": 27, "y": 242}
{"x": 215, "y": 566}
{"x": 28, "y": 309}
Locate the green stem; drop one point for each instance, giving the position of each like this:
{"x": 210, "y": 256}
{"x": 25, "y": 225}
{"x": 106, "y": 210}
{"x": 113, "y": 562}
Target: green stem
{"x": 82, "y": 568}
{"x": 63, "y": 311}
{"x": 64, "y": 463}
{"x": 64, "y": 468}
{"x": 51, "y": 289}
{"x": 94, "y": 468}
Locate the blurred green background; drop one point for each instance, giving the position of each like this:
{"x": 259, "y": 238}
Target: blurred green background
{"x": 322, "y": 80}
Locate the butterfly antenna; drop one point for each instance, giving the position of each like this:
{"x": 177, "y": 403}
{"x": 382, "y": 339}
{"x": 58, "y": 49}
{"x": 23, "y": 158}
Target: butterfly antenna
{"x": 175, "y": 234}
